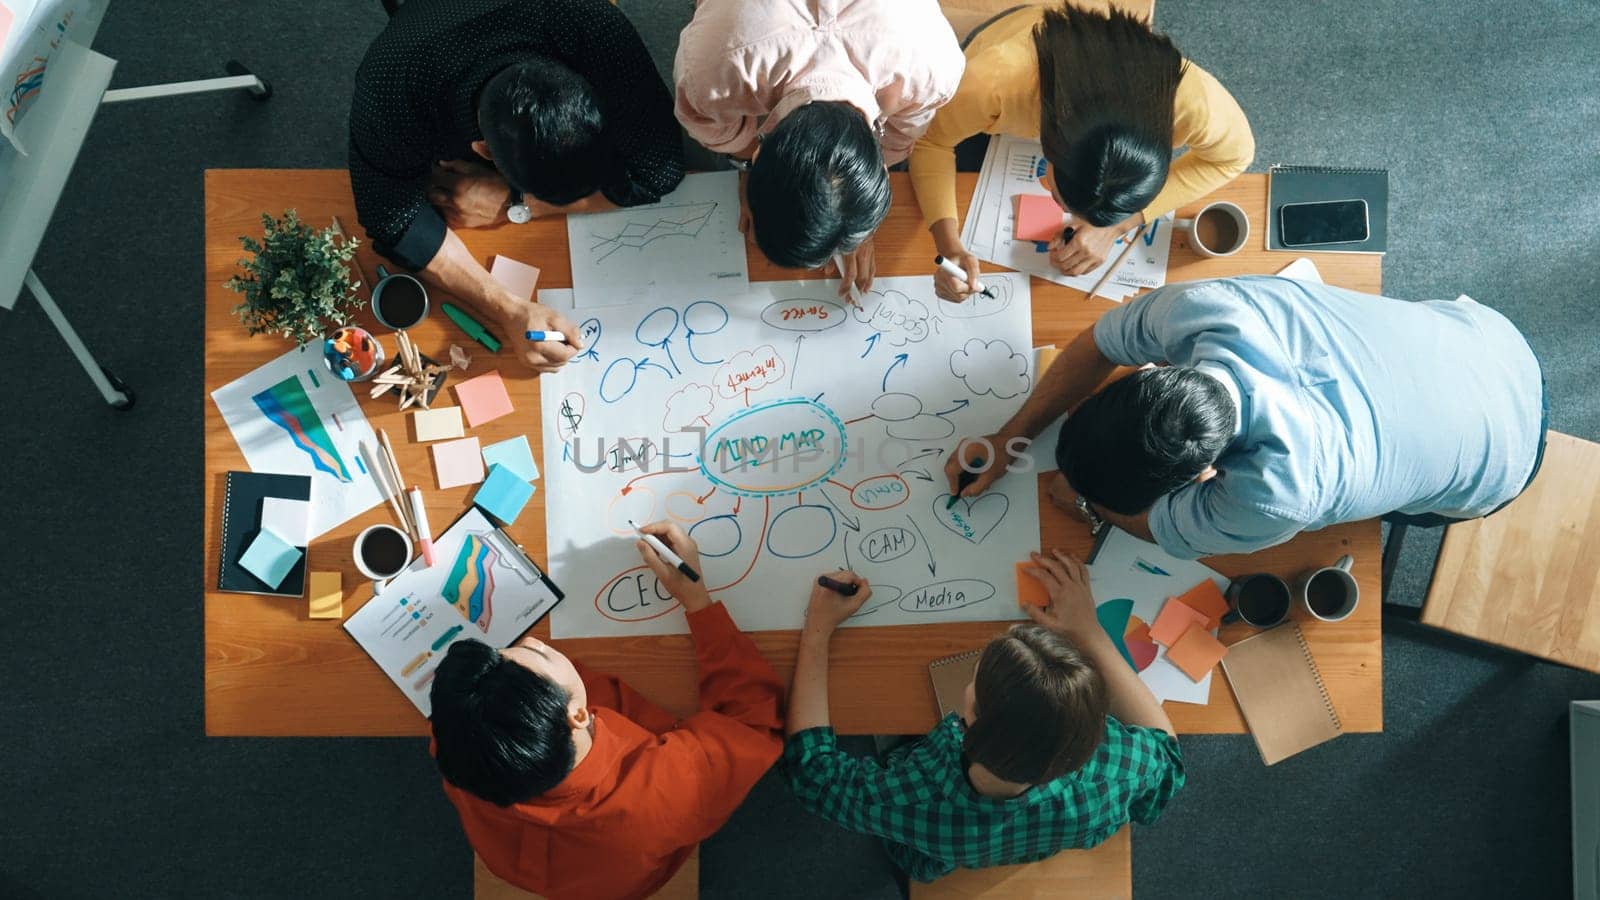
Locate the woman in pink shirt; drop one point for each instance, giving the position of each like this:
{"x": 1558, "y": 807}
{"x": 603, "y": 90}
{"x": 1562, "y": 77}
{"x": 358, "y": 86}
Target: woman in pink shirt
{"x": 817, "y": 98}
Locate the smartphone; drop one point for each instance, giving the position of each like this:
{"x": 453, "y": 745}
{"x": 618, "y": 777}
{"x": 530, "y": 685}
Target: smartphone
{"x": 1323, "y": 222}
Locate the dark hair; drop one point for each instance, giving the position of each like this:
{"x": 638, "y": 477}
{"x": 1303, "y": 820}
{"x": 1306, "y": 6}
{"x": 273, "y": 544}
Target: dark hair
{"x": 1107, "y": 84}
{"x": 1040, "y": 707}
{"x": 501, "y": 730}
{"x": 543, "y": 125}
{"x": 818, "y": 186}
{"x": 1145, "y": 436}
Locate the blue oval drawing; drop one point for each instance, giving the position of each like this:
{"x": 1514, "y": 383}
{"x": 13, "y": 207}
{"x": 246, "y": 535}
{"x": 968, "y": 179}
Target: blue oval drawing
{"x": 802, "y": 530}
{"x": 773, "y": 449}
{"x": 804, "y": 314}
{"x": 885, "y": 544}
{"x": 715, "y": 533}
{"x": 943, "y": 596}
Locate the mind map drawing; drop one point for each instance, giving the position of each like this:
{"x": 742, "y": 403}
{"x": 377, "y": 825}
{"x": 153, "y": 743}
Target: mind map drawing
{"x": 789, "y": 432}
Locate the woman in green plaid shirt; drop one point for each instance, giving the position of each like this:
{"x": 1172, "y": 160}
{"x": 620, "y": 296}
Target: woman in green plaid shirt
{"x": 1059, "y": 743}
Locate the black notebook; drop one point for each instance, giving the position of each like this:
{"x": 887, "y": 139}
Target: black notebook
{"x": 1313, "y": 184}
{"x": 241, "y": 521}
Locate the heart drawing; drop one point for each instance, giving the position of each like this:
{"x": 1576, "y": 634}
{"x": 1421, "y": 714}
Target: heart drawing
{"x": 971, "y": 520}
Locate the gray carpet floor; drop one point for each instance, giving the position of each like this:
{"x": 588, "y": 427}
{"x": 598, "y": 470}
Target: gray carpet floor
{"x": 1485, "y": 113}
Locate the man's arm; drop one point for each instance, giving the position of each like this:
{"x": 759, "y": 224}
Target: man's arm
{"x": 808, "y": 700}
{"x": 1071, "y": 614}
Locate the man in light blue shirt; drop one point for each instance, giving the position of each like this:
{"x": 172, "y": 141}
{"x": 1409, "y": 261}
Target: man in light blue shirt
{"x": 1285, "y": 406}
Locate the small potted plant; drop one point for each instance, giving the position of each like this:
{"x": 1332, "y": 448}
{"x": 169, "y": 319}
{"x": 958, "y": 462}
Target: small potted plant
{"x": 298, "y": 282}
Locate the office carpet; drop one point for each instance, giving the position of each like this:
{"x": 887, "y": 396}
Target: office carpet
{"x": 1487, "y": 117}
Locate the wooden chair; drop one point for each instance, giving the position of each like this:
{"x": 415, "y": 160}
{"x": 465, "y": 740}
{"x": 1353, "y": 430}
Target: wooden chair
{"x": 1104, "y": 872}
{"x": 1528, "y": 577}
{"x": 487, "y": 886}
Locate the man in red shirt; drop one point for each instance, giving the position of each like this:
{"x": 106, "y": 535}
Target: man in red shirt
{"x": 571, "y": 784}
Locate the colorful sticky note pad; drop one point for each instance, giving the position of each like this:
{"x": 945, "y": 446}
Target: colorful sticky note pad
{"x": 269, "y": 557}
{"x": 1030, "y": 591}
{"x": 327, "y": 595}
{"x": 1196, "y": 652}
{"x": 286, "y": 518}
{"x": 438, "y": 424}
{"x": 503, "y": 494}
{"x": 1173, "y": 620}
{"x": 515, "y": 455}
{"x": 1038, "y": 218}
{"x": 1206, "y": 598}
{"x": 518, "y": 278}
{"x": 483, "y": 398}
{"x": 458, "y": 462}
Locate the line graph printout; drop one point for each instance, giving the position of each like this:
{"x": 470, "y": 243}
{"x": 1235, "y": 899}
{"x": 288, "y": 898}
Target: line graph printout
{"x": 687, "y": 241}
{"x": 790, "y": 433}
{"x": 292, "y": 417}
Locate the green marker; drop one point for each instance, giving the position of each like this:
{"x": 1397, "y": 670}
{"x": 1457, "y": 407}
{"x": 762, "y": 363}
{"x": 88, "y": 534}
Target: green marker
{"x": 966, "y": 478}
{"x": 474, "y": 330}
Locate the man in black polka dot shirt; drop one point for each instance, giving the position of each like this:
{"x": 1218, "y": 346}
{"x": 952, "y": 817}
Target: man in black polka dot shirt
{"x": 473, "y": 113}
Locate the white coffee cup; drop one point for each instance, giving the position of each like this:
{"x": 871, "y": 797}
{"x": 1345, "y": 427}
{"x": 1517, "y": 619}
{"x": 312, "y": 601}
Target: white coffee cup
{"x": 1328, "y": 594}
{"x": 1220, "y": 228}
{"x": 378, "y": 560}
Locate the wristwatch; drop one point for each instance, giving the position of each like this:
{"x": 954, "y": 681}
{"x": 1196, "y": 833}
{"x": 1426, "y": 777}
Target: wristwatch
{"x": 1095, "y": 522}
{"x": 518, "y": 212}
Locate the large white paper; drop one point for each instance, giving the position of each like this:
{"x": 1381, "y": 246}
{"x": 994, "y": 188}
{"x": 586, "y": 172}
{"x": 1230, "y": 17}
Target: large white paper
{"x": 1128, "y": 595}
{"x": 292, "y": 417}
{"x": 803, "y": 434}
{"x": 481, "y": 587}
{"x": 33, "y": 33}
{"x": 686, "y": 242}
{"x": 1014, "y": 166}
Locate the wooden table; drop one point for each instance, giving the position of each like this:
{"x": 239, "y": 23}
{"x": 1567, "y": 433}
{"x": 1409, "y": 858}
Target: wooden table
{"x": 272, "y": 671}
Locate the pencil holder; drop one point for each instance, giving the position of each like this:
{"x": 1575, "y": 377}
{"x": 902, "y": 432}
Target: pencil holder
{"x": 352, "y": 354}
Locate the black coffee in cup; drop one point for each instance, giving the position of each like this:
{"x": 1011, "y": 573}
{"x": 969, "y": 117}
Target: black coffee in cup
{"x": 399, "y": 301}
{"x": 1326, "y": 594}
{"x": 384, "y": 551}
{"x": 1261, "y": 600}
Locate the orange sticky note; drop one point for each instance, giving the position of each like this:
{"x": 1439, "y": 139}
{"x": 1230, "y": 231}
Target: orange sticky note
{"x": 1038, "y": 218}
{"x": 327, "y": 595}
{"x": 1196, "y": 652}
{"x": 483, "y": 398}
{"x": 1030, "y": 591}
{"x": 1206, "y": 598}
{"x": 1173, "y": 620}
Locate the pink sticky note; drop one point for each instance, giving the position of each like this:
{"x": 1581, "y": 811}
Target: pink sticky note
{"x": 483, "y": 398}
{"x": 6, "y": 15}
{"x": 1038, "y": 218}
{"x": 517, "y": 277}
{"x": 458, "y": 462}
{"x": 1173, "y": 620}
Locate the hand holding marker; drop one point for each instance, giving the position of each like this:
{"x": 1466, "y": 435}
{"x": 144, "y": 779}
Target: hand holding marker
{"x": 945, "y": 264}
{"x": 666, "y": 553}
{"x": 967, "y": 477}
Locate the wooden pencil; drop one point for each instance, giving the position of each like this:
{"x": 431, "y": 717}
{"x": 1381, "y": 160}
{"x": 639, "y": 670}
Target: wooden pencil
{"x": 393, "y": 463}
{"x": 378, "y": 475}
{"x": 1132, "y": 240}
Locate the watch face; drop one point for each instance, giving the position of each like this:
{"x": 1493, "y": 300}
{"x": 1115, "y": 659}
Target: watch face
{"x": 519, "y": 214}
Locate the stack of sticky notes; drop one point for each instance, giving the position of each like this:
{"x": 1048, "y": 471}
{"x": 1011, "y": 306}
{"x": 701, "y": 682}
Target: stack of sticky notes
{"x": 503, "y": 494}
{"x": 1184, "y": 626}
{"x": 270, "y": 557}
{"x": 518, "y": 278}
{"x": 458, "y": 462}
{"x": 288, "y": 519}
{"x": 1030, "y": 591}
{"x": 515, "y": 454}
{"x": 438, "y": 424}
{"x": 1038, "y": 218}
{"x": 483, "y": 398}
{"x": 327, "y": 595}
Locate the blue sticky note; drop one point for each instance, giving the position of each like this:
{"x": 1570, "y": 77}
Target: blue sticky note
{"x": 503, "y": 494}
{"x": 515, "y": 455}
{"x": 269, "y": 558}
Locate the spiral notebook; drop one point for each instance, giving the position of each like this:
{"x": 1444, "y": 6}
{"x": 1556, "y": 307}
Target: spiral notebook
{"x": 1281, "y": 693}
{"x": 951, "y": 676}
{"x": 1312, "y": 184}
{"x": 241, "y": 521}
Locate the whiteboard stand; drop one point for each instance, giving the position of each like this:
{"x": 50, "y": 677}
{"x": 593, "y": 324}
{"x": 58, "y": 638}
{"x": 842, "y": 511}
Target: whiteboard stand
{"x": 75, "y": 91}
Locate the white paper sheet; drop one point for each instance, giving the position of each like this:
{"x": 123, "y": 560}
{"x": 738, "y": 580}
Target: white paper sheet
{"x": 292, "y": 417}
{"x": 687, "y": 243}
{"x": 481, "y": 587}
{"x": 1014, "y": 166}
{"x": 874, "y": 397}
{"x": 1124, "y": 590}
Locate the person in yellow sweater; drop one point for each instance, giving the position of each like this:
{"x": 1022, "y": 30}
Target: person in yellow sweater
{"x": 1109, "y": 100}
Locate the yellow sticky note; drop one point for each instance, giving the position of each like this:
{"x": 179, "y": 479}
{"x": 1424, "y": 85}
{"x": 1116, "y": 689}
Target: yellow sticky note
{"x": 327, "y": 595}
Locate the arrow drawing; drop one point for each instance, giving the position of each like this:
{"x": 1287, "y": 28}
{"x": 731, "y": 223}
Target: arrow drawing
{"x": 899, "y": 360}
{"x": 932, "y": 567}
